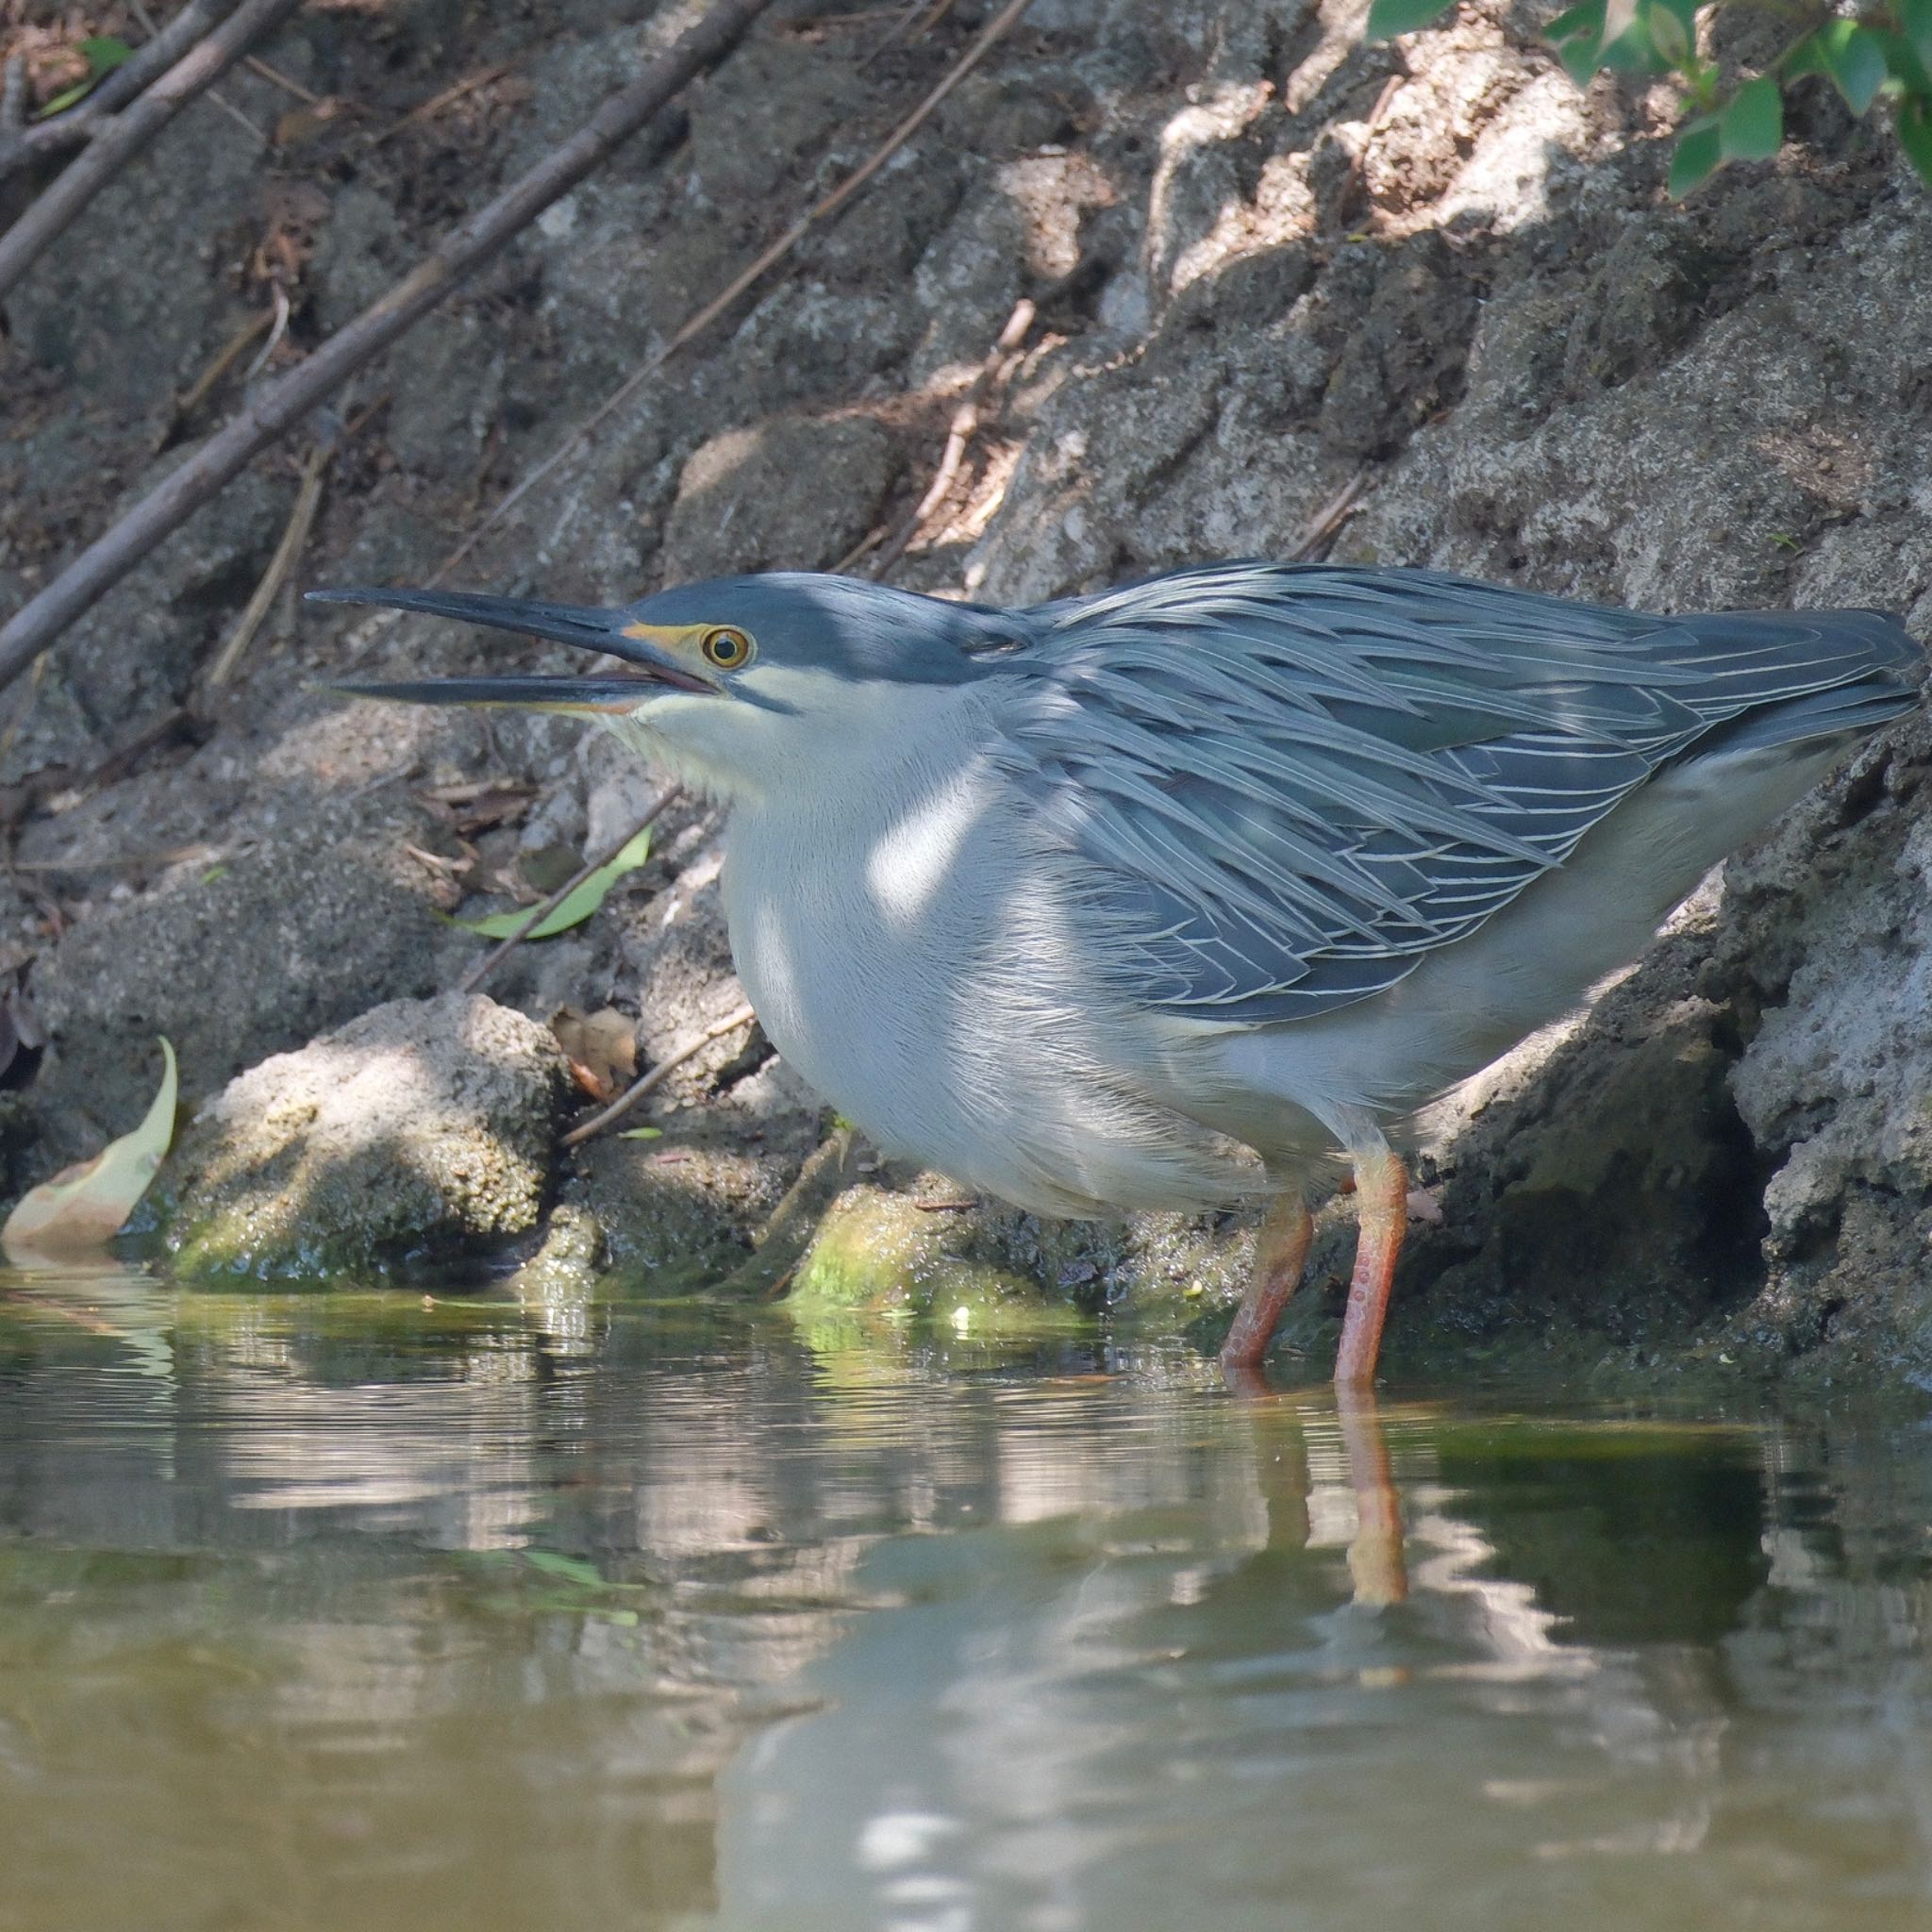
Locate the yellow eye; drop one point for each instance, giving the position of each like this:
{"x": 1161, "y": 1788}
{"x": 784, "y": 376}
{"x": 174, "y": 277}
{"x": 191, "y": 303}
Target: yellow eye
{"x": 726, "y": 648}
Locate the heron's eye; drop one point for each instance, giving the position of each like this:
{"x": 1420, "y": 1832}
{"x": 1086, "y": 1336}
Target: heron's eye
{"x": 725, "y": 648}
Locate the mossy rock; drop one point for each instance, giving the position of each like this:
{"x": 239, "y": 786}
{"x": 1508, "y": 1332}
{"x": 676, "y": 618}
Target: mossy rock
{"x": 877, "y": 1252}
{"x": 407, "y": 1142}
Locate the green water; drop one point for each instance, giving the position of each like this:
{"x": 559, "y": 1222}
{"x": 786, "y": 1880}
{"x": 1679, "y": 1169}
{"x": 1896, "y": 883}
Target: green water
{"x": 358, "y": 1612}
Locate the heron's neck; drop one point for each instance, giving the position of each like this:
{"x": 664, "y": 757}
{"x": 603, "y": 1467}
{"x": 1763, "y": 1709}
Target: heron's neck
{"x": 819, "y": 760}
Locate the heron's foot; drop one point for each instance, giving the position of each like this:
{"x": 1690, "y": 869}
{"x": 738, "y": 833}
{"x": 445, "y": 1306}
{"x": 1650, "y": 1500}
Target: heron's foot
{"x": 1281, "y": 1248}
{"x": 1382, "y": 1192}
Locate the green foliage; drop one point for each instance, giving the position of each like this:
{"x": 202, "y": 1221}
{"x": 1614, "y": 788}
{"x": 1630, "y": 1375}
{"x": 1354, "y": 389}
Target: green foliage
{"x": 101, "y": 54}
{"x": 577, "y": 907}
{"x": 1881, "y": 59}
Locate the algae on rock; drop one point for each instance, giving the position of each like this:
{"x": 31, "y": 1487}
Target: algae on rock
{"x": 416, "y": 1133}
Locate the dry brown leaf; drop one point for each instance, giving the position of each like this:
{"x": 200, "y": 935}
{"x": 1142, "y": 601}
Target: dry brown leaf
{"x": 84, "y": 1206}
{"x": 602, "y": 1048}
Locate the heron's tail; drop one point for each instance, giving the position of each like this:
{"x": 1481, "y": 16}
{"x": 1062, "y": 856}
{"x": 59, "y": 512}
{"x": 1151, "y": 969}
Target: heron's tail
{"x": 1798, "y": 678}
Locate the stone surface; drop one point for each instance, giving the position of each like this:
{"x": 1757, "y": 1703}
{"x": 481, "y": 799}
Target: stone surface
{"x": 410, "y": 1139}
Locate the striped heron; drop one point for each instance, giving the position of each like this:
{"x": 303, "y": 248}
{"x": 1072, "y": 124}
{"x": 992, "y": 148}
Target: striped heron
{"x": 1184, "y": 890}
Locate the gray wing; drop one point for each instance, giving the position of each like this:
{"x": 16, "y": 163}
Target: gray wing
{"x": 1289, "y": 784}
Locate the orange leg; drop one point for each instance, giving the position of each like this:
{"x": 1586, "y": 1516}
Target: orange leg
{"x": 1381, "y": 1191}
{"x": 1280, "y": 1249}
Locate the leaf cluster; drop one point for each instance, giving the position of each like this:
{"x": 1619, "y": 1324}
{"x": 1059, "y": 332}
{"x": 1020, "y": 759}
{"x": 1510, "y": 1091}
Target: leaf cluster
{"x": 1881, "y": 59}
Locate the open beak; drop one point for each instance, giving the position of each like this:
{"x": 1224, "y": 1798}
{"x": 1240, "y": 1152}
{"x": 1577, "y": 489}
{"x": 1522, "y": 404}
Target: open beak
{"x": 569, "y": 623}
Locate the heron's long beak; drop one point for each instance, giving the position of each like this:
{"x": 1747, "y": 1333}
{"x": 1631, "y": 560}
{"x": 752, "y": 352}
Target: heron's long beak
{"x": 585, "y": 626}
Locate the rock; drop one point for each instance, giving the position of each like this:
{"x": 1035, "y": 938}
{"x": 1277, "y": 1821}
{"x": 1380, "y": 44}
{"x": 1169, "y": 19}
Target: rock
{"x": 877, "y": 1252}
{"x": 565, "y": 1268}
{"x": 739, "y": 508}
{"x": 231, "y": 961}
{"x": 407, "y": 1141}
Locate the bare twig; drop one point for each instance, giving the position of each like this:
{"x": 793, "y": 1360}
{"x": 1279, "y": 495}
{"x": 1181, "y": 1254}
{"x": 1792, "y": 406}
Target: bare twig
{"x": 990, "y": 36}
{"x": 224, "y": 359}
{"x": 123, "y": 138}
{"x": 289, "y": 398}
{"x": 965, "y": 422}
{"x": 639, "y": 1090}
{"x": 1325, "y": 525}
{"x": 276, "y": 77}
{"x": 12, "y": 96}
{"x": 911, "y": 22}
{"x": 545, "y": 907}
{"x": 448, "y": 98}
{"x": 216, "y": 97}
{"x": 301, "y": 518}
{"x": 277, "y": 329}
{"x": 86, "y": 119}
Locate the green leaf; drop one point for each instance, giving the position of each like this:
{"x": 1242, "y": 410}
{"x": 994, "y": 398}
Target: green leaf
{"x": 1854, "y": 60}
{"x": 1915, "y": 136}
{"x": 1903, "y": 62}
{"x": 1672, "y": 31}
{"x": 578, "y": 906}
{"x": 1577, "y": 37}
{"x": 1801, "y": 57}
{"x": 641, "y": 1134}
{"x": 1751, "y": 126}
{"x": 1388, "y": 18}
{"x": 1699, "y": 153}
{"x": 1915, "y": 22}
{"x": 102, "y": 54}
{"x": 1627, "y": 44}
{"x": 84, "y": 1207}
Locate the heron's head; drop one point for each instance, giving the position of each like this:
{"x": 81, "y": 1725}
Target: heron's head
{"x": 732, "y": 680}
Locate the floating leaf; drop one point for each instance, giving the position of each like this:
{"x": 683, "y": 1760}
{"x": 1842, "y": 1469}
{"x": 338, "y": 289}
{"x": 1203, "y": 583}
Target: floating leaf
{"x": 1388, "y": 18}
{"x": 102, "y": 54}
{"x": 1699, "y": 151}
{"x": 578, "y": 906}
{"x": 84, "y": 1206}
{"x": 1751, "y": 126}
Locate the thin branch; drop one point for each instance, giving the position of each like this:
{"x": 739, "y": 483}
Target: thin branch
{"x": 990, "y": 37}
{"x": 959, "y": 435}
{"x": 276, "y": 77}
{"x": 1325, "y": 525}
{"x": 295, "y": 533}
{"x": 427, "y": 110}
{"x": 12, "y": 96}
{"x": 231, "y": 352}
{"x": 124, "y": 137}
{"x": 216, "y": 97}
{"x": 656, "y": 1079}
{"x": 545, "y": 907}
{"x": 277, "y": 329}
{"x": 86, "y": 119}
{"x": 910, "y": 22}
{"x": 283, "y": 403}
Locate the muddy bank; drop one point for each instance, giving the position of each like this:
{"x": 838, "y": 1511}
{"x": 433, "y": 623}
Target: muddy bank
{"x": 1270, "y": 268}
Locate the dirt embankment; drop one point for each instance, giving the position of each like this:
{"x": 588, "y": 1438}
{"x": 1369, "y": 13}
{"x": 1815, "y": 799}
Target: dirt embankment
{"x": 1271, "y": 269}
